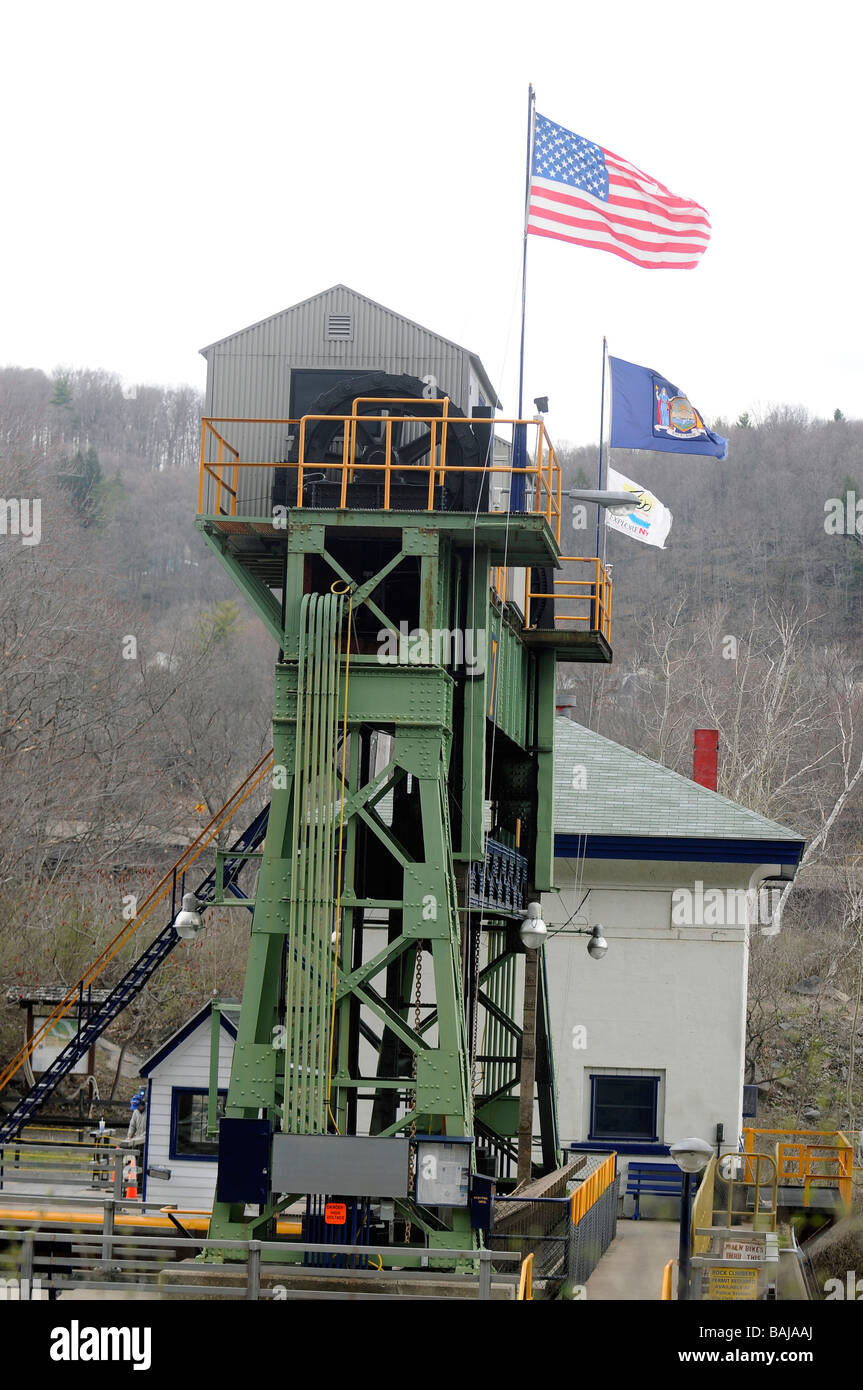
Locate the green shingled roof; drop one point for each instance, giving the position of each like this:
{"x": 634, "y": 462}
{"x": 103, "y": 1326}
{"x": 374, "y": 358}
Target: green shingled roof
{"x": 627, "y": 794}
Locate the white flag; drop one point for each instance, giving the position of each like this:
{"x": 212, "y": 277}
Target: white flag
{"x": 648, "y": 520}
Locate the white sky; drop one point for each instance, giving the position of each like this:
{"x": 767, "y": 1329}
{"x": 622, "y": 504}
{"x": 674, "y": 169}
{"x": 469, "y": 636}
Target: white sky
{"x": 173, "y": 172}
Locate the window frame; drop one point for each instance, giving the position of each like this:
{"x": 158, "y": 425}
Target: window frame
{"x": 176, "y": 1093}
{"x": 653, "y": 1078}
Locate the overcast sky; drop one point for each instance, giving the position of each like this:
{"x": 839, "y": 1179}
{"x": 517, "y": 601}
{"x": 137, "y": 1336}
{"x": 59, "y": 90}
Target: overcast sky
{"x": 174, "y": 172}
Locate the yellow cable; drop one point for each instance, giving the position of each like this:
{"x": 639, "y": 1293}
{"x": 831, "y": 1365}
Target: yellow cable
{"x": 335, "y": 589}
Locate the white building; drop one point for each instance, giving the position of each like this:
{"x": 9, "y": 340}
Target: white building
{"x": 649, "y": 1041}
{"x": 178, "y": 1077}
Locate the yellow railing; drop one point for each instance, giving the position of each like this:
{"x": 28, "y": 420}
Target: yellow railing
{"x": 702, "y": 1208}
{"x": 588, "y": 597}
{"x": 592, "y": 1188}
{"x": 667, "y": 1284}
{"x": 809, "y": 1157}
{"x": 741, "y": 1172}
{"x": 221, "y": 460}
{"x": 525, "y": 1282}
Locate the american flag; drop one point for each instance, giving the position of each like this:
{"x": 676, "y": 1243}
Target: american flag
{"x": 582, "y": 193}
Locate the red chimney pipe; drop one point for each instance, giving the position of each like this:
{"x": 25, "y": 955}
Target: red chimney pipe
{"x": 705, "y": 757}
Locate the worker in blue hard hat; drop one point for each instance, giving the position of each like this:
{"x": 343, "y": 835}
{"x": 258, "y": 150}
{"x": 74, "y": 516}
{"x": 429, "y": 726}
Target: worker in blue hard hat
{"x": 138, "y": 1107}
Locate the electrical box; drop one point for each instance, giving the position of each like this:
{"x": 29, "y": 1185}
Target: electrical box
{"x": 443, "y": 1170}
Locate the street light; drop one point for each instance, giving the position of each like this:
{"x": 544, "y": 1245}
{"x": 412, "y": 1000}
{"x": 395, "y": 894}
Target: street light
{"x": 188, "y": 921}
{"x": 533, "y": 930}
{"x": 691, "y": 1156}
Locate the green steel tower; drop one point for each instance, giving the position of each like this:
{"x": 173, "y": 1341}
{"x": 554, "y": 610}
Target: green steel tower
{"x": 402, "y": 554}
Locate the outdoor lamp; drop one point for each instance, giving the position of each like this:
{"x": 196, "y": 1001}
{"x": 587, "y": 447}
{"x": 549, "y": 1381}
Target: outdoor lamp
{"x": 532, "y": 930}
{"x": 541, "y": 403}
{"x": 691, "y": 1157}
{"x": 597, "y": 945}
{"x": 188, "y": 921}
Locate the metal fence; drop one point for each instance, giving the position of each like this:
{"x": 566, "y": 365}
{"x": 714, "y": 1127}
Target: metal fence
{"x": 567, "y": 1235}
{"x": 99, "y": 1163}
{"x": 59, "y": 1261}
{"x": 165, "y": 1266}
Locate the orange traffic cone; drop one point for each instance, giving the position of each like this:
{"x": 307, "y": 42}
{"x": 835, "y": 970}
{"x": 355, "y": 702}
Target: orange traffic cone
{"x": 132, "y": 1180}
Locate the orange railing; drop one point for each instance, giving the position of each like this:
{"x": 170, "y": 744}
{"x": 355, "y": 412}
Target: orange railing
{"x": 592, "y": 1188}
{"x": 667, "y": 1275}
{"x": 588, "y": 597}
{"x": 221, "y": 460}
{"x": 808, "y": 1157}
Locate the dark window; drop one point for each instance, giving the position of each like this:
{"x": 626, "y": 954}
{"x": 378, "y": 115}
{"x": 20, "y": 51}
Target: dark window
{"x": 189, "y": 1124}
{"x": 623, "y": 1107}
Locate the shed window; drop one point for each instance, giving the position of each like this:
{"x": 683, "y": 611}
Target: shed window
{"x": 189, "y": 1123}
{"x": 624, "y": 1107}
{"x": 339, "y": 327}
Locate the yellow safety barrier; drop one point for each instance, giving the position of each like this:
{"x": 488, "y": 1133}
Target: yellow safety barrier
{"x": 525, "y": 1282}
{"x": 667, "y": 1282}
{"x": 811, "y": 1157}
{"x": 592, "y": 1188}
{"x": 544, "y": 473}
{"x": 589, "y": 598}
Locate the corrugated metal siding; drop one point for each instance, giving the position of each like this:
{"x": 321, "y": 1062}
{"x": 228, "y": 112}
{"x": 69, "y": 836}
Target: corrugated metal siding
{"x": 192, "y": 1182}
{"x": 248, "y": 374}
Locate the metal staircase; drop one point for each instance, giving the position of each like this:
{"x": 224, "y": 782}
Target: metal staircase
{"x": 92, "y": 1022}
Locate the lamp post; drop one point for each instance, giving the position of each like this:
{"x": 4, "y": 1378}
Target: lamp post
{"x": 692, "y": 1157}
{"x": 534, "y": 934}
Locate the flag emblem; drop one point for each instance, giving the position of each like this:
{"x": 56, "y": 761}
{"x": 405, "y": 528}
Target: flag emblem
{"x": 582, "y": 193}
{"x": 675, "y": 415}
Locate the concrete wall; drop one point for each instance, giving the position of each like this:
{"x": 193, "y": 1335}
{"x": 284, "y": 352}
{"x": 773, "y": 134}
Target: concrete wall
{"x": 666, "y": 1000}
{"x": 193, "y": 1180}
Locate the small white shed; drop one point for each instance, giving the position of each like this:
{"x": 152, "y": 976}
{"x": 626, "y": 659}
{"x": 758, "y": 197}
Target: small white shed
{"x": 178, "y": 1077}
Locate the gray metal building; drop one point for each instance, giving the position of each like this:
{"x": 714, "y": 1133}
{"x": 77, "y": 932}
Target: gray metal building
{"x": 275, "y": 369}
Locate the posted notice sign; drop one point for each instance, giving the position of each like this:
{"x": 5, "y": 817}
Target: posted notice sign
{"x": 335, "y": 1213}
{"x": 732, "y": 1284}
{"x": 743, "y": 1250}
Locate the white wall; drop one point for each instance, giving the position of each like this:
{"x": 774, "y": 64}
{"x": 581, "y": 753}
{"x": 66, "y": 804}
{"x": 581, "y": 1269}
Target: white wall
{"x": 665, "y": 999}
{"x": 193, "y": 1180}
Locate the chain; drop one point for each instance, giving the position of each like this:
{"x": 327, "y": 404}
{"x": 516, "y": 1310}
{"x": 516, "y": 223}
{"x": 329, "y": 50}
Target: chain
{"x": 418, "y": 994}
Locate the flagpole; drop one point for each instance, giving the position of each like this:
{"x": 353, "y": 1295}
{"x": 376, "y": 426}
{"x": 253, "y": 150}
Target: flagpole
{"x": 531, "y": 99}
{"x": 601, "y": 434}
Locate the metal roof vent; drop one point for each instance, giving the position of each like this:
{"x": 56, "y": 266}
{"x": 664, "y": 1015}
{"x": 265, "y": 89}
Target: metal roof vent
{"x": 339, "y": 328}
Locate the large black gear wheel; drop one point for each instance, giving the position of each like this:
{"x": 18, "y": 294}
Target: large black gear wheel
{"x": 411, "y": 446}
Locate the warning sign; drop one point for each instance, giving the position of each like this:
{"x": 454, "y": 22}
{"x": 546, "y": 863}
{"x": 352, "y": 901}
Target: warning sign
{"x": 733, "y": 1284}
{"x": 335, "y": 1213}
{"x": 743, "y": 1250}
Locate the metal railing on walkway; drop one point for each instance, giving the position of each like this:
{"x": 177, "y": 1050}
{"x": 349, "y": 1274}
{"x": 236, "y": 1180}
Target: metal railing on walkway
{"x": 58, "y": 1261}
{"x": 812, "y": 1159}
{"x": 567, "y": 1236}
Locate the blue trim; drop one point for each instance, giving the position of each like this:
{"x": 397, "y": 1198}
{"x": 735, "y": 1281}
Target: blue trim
{"x": 709, "y": 850}
{"x": 176, "y": 1092}
{"x": 623, "y": 1076}
{"x": 627, "y": 1147}
{"x": 180, "y": 1037}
